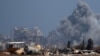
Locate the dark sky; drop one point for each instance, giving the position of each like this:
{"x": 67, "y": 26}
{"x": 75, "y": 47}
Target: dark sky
{"x": 45, "y": 14}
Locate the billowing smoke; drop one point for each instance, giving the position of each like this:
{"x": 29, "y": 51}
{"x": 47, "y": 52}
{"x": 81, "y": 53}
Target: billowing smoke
{"x": 82, "y": 23}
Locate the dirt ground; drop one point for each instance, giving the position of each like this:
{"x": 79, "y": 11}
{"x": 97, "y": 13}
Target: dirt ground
{"x": 85, "y": 55}
{"x": 18, "y": 55}
{"x": 58, "y": 55}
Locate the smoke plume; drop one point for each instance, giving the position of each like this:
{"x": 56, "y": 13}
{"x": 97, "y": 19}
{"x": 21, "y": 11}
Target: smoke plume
{"x": 82, "y": 23}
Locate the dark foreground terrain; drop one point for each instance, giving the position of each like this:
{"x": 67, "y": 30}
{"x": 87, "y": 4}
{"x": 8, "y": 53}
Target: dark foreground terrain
{"x": 55, "y": 55}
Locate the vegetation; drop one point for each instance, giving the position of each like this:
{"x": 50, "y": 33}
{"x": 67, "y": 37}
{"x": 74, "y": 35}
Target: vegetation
{"x": 90, "y": 44}
{"x": 68, "y": 44}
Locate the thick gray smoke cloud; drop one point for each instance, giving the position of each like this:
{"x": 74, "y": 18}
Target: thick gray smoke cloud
{"x": 82, "y": 23}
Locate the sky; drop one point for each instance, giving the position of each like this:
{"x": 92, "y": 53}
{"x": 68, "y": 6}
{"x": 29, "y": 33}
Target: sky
{"x": 45, "y": 14}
